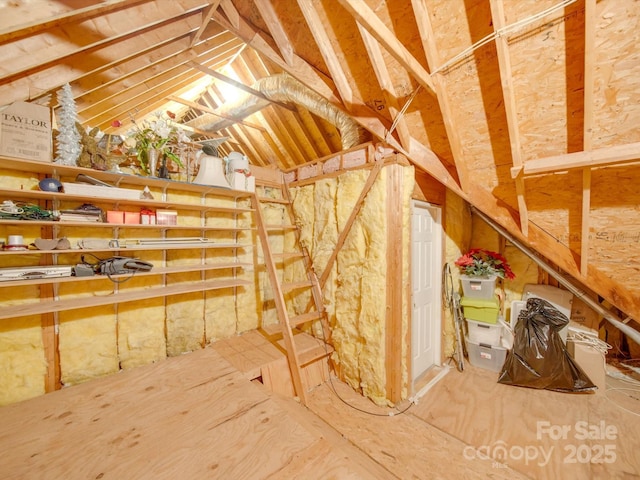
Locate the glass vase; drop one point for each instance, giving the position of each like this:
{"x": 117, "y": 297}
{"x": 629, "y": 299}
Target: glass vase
{"x": 152, "y": 161}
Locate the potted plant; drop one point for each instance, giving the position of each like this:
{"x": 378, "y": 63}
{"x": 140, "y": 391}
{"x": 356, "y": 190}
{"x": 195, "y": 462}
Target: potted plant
{"x": 156, "y": 140}
{"x": 479, "y": 269}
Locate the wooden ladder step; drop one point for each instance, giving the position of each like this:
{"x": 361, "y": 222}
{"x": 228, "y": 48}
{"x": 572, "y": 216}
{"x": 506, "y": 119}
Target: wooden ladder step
{"x": 316, "y": 353}
{"x": 293, "y": 322}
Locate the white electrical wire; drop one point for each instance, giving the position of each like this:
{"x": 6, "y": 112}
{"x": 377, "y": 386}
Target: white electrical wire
{"x": 500, "y": 32}
{"x": 401, "y": 113}
{"x": 589, "y": 340}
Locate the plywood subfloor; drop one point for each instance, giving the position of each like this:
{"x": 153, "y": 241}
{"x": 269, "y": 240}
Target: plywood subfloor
{"x": 193, "y": 416}
{"x": 469, "y": 426}
{"x": 197, "y": 416}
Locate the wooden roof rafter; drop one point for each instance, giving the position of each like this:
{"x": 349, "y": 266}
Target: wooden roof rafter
{"x": 152, "y": 87}
{"x": 206, "y": 18}
{"x": 238, "y": 85}
{"x": 43, "y": 59}
{"x": 366, "y": 17}
{"x": 100, "y": 84}
{"x": 147, "y": 102}
{"x": 323, "y": 42}
{"x": 30, "y": 28}
{"x": 421, "y": 156}
{"x": 439, "y": 87}
{"x": 508, "y": 93}
{"x": 275, "y": 27}
{"x": 386, "y": 84}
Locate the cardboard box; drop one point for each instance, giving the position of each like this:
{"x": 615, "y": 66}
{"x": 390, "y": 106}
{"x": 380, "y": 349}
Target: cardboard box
{"x": 25, "y": 131}
{"x": 115, "y": 216}
{"x": 591, "y": 361}
{"x": 132, "y": 218}
{"x": 166, "y": 217}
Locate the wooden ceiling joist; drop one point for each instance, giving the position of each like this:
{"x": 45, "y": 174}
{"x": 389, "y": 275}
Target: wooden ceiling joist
{"x": 601, "y": 157}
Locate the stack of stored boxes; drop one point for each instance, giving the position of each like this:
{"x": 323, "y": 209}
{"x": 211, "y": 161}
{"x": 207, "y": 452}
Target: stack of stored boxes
{"x": 484, "y": 330}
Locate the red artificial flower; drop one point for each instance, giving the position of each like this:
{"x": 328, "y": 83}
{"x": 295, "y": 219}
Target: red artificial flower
{"x": 171, "y": 115}
{"x": 116, "y": 124}
{"x": 482, "y": 262}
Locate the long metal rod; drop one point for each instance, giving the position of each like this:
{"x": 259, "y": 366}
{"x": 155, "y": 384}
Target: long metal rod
{"x": 623, "y": 327}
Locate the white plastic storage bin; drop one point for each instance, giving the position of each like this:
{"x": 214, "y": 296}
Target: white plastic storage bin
{"x": 486, "y": 356}
{"x": 478, "y": 287}
{"x": 486, "y": 333}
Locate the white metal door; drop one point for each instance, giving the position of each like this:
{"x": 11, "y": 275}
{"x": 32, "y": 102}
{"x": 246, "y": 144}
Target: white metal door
{"x": 426, "y": 259}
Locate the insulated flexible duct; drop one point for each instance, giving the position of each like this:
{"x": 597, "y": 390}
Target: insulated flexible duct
{"x": 284, "y": 88}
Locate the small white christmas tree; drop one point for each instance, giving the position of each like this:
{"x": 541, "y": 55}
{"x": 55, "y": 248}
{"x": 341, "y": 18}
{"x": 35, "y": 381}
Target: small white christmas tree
{"x": 68, "y": 148}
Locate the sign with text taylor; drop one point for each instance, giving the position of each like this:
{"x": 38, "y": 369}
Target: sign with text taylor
{"x": 25, "y": 131}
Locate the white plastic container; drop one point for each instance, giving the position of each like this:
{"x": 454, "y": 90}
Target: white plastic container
{"x": 478, "y": 287}
{"x": 486, "y": 356}
{"x": 485, "y": 333}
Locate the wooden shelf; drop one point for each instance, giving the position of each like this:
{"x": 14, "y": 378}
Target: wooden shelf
{"x": 142, "y": 248}
{"x": 117, "y": 298}
{"x": 13, "y": 194}
{"x": 154, "y": 271}
{"x": 117, "y": 179}
{"x": 52, "y": 223}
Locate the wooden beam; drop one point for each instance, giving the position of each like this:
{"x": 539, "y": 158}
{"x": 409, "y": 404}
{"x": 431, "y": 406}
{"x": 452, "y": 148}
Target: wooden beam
{"x": 439, "y": 86}
{"x": 419, "y": 154}
{"x": 386, "y": 84}
{"x": 369, "y": 20}
{"x": 40, "y": 59}
{"x": 213, "y": 6}
{"x": 603, "y": 157}
{"x": 326, "y": 50}
{"x": 76, "y": 15}
{"x": 394, "y": 338}
{"x": 589, "y": 86}
{"x": 204, "y": 108}
{"x": 508, "y": 94}
{"x": 237, "y": 85}
{"x": 231, "y": 12}
{"x": 275, "y": 27}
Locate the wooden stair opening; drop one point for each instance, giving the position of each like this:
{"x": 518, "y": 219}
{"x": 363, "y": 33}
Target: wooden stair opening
{"x": 286, "y": 323}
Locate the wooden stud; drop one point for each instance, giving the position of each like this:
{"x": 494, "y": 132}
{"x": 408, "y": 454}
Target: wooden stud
{"x": 395, "y": 285}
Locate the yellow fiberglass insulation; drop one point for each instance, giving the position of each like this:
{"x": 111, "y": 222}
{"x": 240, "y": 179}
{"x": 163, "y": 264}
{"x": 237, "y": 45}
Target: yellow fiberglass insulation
{"x": 22, "y": 359}
{"x": 362, "y": 271}
{"x": 88, "y": 347}
{"x": 141, "y": 338}
{"x": 355, "y": 295}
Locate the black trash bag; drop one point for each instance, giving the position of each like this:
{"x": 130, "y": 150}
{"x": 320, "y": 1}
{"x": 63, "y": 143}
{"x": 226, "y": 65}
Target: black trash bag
{"x": 539, "y": 358}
